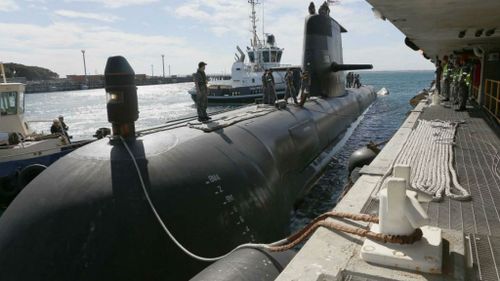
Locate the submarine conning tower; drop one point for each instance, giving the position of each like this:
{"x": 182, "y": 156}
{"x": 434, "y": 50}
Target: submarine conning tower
{"x": 323, "y": 57}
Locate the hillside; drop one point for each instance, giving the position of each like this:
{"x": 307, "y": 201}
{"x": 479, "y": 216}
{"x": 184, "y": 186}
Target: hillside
{"x": 31, "y": 73}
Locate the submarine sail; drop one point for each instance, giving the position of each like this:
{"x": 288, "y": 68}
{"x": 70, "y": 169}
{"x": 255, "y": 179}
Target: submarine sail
{"x": 86, "y": 217}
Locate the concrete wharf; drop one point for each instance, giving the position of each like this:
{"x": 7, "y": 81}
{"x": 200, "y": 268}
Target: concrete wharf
{"x": 470, "y": 229}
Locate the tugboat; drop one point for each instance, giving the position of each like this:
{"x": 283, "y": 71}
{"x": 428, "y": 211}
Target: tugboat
{"x": 23, "y": 153}
{"x": 245, "y": 85}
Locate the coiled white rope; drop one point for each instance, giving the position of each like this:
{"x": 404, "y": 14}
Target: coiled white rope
{"x": 429, "y": 152}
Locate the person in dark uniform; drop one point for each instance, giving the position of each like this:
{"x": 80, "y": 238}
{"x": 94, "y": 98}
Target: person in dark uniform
{"x": 349, "y": 80}
{"x": 269, "y": 90}
{"x": 305, "y": 87}
{"x": 63, "y": 125}
{"x": 357, "y": 82}
{"x": 445, "y": 80}
{"x": 290, "y": 87}
{"x": 455, "y": 76}
{"x": 56, "y": 127}
{"x": 265, "y": 97}
{"x": 464, "y": 82}
{"x": 312, "y": 8}
{"x": 200, "y": 81}
{"x": 324, "y": 9}
{"x": 439, "y": 72}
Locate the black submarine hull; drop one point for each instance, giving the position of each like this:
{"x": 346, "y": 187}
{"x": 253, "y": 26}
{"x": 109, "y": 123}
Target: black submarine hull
{"x": 85, "y": 217}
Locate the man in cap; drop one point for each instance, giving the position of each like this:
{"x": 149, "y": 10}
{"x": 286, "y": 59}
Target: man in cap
{"x": 200, "y": 82}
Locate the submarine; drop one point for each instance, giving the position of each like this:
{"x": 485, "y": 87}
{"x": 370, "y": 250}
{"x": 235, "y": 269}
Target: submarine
{"x": 100, "y": 212}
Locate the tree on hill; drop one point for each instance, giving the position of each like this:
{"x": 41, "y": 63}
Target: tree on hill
{"x": 31, "y": 73}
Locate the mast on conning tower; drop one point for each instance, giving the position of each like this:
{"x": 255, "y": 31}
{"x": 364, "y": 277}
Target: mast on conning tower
{"x": 253, "y": 18}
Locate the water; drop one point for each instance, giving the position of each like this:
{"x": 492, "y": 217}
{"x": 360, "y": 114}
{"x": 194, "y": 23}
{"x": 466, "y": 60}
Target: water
{"x": 85, "y": 112}
{"x": 380, "y": 122}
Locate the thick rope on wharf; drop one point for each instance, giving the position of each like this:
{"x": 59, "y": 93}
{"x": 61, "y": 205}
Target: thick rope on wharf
{"x": 429, "y": 152}
{"x": 293, "y": 240}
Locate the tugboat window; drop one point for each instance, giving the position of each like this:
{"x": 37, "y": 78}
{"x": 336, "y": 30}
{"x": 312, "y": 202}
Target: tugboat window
{"x": 251, "y": 56}
{"x": 274, "y": 56}
{"x": 266, "y": 56}
{"x": 8, "y": 103}
{"x": 279, "y": 56}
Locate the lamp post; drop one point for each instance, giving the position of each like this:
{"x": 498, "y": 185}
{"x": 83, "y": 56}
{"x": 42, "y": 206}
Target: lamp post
{"x": 152, "y": 71}
{"x": 84, "y": 67}
{"x": 84, "y": 64}
{"x": 163, "y": 64}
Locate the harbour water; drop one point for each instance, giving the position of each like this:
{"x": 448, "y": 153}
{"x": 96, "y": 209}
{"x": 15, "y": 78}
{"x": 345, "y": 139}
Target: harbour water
{"x": 85, "y": 112}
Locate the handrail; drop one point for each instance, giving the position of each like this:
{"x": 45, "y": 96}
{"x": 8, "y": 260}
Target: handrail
{"x": 475, "y": 93}
{"x": 492, "y": 98}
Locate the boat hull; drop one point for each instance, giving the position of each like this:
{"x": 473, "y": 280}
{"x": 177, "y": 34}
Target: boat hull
{"x": 213, "y": 190}
{"x": 240, "y": 95}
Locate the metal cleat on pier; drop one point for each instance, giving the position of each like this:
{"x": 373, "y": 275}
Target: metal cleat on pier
{"x": 401, "y": 214}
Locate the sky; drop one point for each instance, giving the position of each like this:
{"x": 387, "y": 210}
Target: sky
{"x": 52, "y": 33}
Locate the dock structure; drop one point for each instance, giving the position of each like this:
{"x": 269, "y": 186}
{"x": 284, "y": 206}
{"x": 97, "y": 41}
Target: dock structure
{"x": 470, "y": 229}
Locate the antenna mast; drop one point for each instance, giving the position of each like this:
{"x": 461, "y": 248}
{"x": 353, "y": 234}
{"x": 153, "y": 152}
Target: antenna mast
{"x": 253, "y": 18}
{"x": 263, "y": 32}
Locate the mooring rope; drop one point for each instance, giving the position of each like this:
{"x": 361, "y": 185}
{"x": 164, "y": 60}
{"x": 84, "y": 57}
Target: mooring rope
{"x": 292, "y": 240}
{"x": 429, "y": 152}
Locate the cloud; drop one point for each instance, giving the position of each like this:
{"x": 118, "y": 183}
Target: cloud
{"x": 8, "y": 6}
{"x": 117, "y": 3}
{"x": 219, "y": 16}
{"x": 91, "y": 16}
{"x": 58, "y": 46}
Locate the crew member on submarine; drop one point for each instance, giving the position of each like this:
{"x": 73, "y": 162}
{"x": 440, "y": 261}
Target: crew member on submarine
{"x": 290, "y": 87}
{"x": 200, "y": 82}
{"x": 305, "y": 86}
{"x": 268, "y": 87}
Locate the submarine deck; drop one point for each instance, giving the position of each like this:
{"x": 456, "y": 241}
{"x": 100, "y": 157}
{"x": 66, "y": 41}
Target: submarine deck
{"x": 472, "y": 228}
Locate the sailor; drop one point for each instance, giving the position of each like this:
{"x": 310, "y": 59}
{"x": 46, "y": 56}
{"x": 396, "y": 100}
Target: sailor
{"x": 200, "y": 81}
{"x": 312, "y": 8}
{"x": 464, "y": 83}
{"x": 63, "y": 125}
{"x": 265, "y": 98}
{"x": 305, "y": 87}
{"x": 56, "y": 127}
{"x": 357, "y": 83}
{"x": 324, "y": 9}
{"x": 455, "y": 76}
{"x": 351, "y": 80}
{"x": 269, "y": 89}
{"x": 439, "y": 72}
{"x": 290, "y": 87}
{"x": 445, "y": 80}
{"x": 348, "y": 80}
